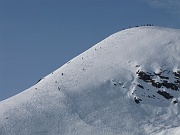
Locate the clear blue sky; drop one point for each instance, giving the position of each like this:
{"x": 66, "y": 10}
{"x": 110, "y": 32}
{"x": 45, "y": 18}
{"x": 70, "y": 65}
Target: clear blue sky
{"x": 39, "y": 36}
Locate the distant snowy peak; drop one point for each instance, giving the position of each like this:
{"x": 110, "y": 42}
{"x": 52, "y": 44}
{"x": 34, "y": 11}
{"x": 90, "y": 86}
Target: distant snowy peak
{"x": 149, "y": 57}
{"x": 128, "y": 83}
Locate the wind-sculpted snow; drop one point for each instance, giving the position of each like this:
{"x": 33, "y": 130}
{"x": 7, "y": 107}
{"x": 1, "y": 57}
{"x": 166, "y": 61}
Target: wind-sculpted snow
{"x": 128, "y": 84}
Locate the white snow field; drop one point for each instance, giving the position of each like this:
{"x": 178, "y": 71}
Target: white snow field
{"x": 128, "y": 84}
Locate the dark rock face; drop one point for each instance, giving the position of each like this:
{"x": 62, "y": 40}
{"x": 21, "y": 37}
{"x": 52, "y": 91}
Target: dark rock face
{"x": 177, "y": 74}
{"x": 40, "y": 79}
{"x": 165, "y": 94}
{"x": 163, "y": 82}
{"x": 137, "y": 100}
{"x": 147, "y": 77}
{"x": 139, "y": 85}
{"x": 175, "y": 102}
{"x": 163, "y": 77}
{"x": 144, "y": 76}
{"x": 172, "y": 86}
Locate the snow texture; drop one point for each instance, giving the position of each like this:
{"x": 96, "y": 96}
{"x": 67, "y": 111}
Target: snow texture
{"x": 128, "y": 84}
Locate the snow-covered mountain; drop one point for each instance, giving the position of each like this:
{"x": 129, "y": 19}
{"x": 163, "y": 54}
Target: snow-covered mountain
{"x": 128, "y": 84}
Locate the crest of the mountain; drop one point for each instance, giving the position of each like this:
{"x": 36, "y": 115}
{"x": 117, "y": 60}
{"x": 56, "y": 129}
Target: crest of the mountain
{"x": 127, "y": 84}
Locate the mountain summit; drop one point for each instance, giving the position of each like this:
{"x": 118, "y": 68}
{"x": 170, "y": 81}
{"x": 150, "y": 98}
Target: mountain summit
{"x": 128, "y": 84}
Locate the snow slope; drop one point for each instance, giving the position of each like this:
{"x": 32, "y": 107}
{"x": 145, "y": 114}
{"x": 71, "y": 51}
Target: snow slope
{"x": 128, "y": 84}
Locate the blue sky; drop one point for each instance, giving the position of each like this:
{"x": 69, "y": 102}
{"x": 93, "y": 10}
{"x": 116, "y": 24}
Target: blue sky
{"x": 39, "y": 36}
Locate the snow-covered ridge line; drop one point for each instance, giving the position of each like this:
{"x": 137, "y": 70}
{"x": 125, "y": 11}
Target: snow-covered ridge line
{"x": 126, "y": 84}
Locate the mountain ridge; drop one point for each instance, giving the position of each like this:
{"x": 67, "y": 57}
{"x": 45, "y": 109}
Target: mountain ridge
{"x": 108, "y": 89}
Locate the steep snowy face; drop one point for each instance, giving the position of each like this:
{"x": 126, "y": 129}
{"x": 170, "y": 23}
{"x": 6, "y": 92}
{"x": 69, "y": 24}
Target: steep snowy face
{"x": 127, "y": 84}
